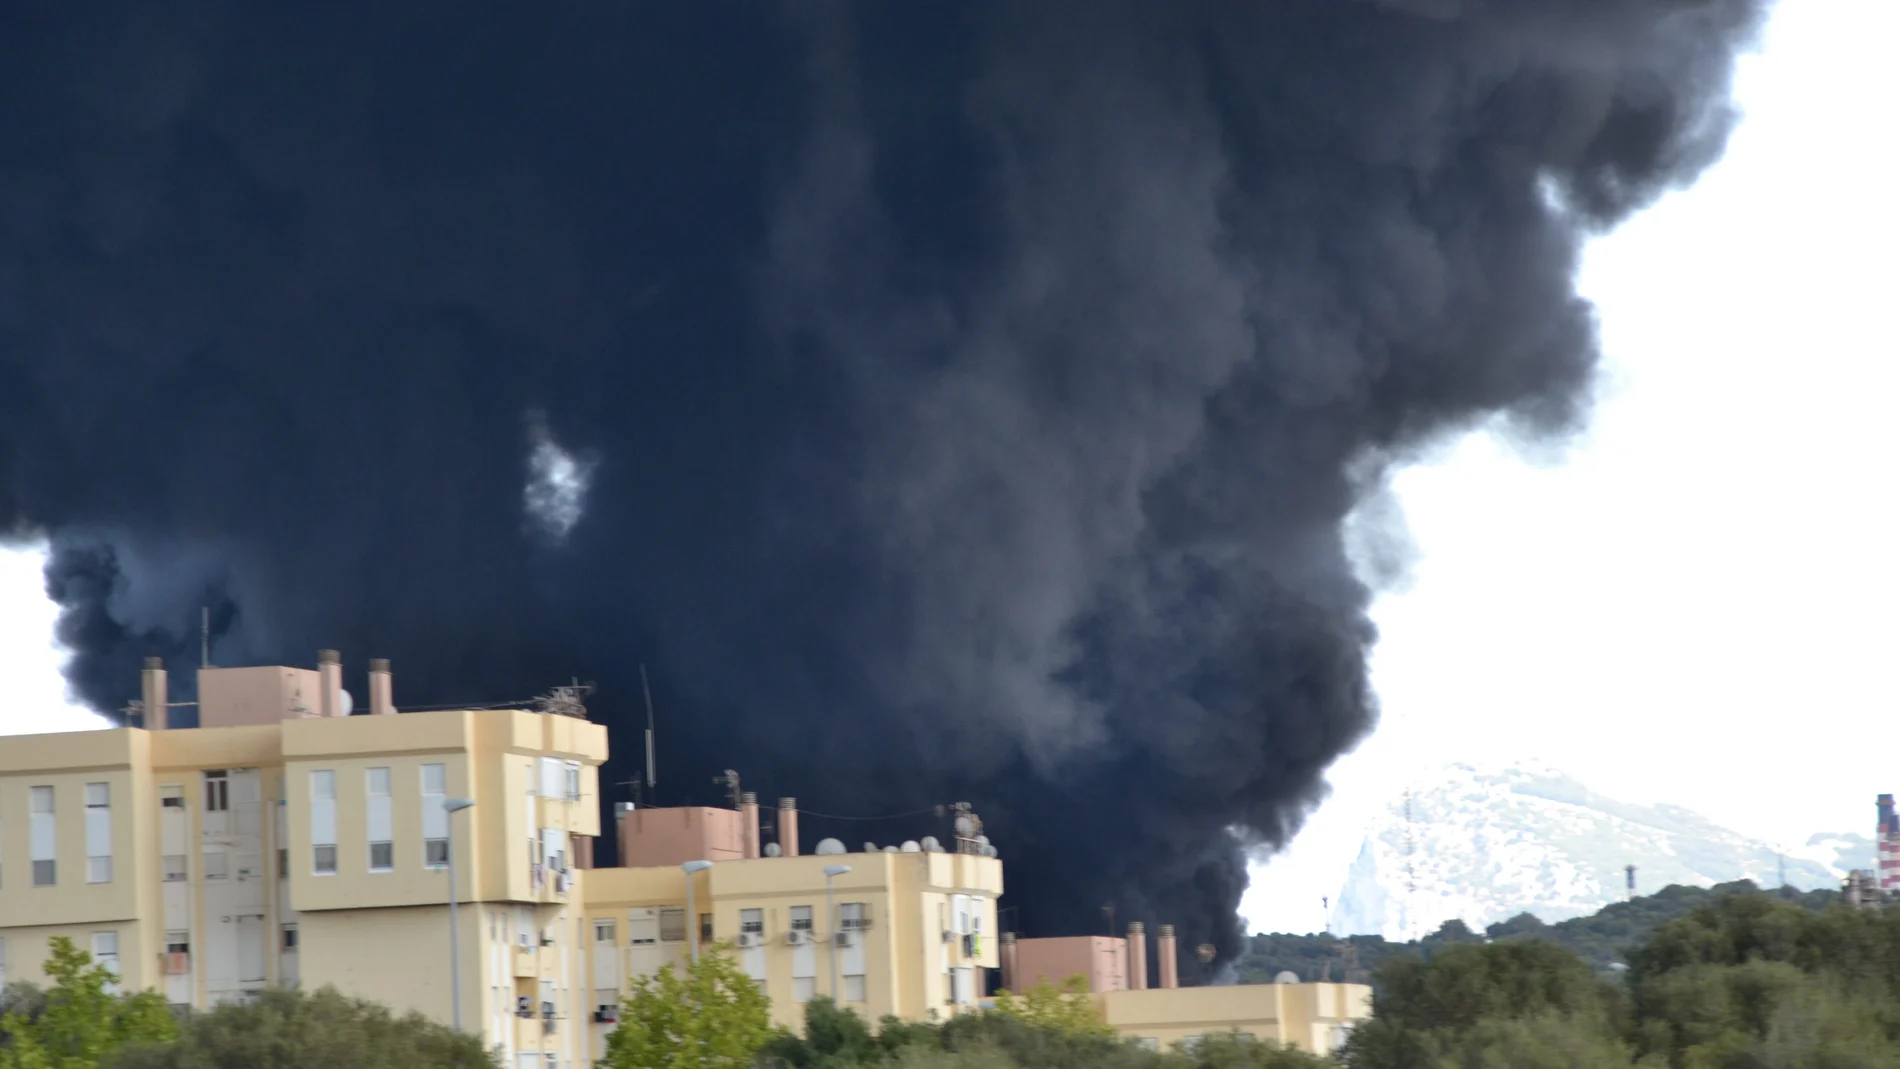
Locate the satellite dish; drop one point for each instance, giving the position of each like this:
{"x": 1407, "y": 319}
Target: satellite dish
{"x": 964, "y": 827}
{"x": 772, "y": 850}
{"x": 988, "y": 850}
{"x": 890, "y": 850}
{"x": 345, "y": 702}
{"x": 910, "y": 847}
{"x": 870, "y": 848}
{"x": 983, "y": 840}
{"x": 829, "y": 846}
{"x": 1288, "y": 977}
{"x": 931, "y": 845}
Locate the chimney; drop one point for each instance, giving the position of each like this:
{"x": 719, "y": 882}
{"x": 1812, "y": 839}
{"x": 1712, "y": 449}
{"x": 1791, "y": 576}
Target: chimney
{"x": 152, "y": 694}
{"x": 749, "y": 820}
{"x": 382, "y": 700}
{"x": 1009, "y": 963}
{"x": 1137, "y": 956}
{"x": 1164, "y": 951}
{"x": 582, "y": 849}
{"x": 788, "y": 827}
{"x": 330, "y": 683}
{"x": 623, "y": 834}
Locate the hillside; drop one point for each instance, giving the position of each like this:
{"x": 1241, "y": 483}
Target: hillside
{"x": 1599, "y": 938}
{"x": 1484, "y": 844}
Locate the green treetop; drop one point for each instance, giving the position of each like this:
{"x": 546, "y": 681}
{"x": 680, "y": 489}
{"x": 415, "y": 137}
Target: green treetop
{"x": 710, "y": 1017}
{"x": 83, "y": 1018}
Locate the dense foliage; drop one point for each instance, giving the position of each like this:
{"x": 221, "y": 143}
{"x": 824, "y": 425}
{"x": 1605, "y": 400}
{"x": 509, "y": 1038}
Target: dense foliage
{"x": 80, "y": 1018}
{"x": 1743, "y": 982}
{"x": 284, "y": 1029}
{"x": 709, "y": 1015}
{"x": 1601, "y": 939}
{"x": 1051, "y": 1037}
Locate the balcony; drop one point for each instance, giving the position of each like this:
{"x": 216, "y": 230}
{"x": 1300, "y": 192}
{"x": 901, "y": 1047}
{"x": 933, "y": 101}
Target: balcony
{"x": 527, "y": 966}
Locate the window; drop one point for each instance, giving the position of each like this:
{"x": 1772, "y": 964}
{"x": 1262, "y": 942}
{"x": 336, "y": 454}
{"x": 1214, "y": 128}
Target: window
{"x": 643, "y": 927}
{"x": 175, "y": 868}
{"x": 382, "y": 850}
{"x": 105, "y": 951}
{"x": 323, "y": 822}
{"x": 435, "y": 819}
{"x": 553, "y": 778}
{"x": 172, "y": 801}
{"x": 41, "y": 832}
{"x": 217, "y": 792}
{"x": 178, "y": 942}
{"x": 705, "y": 928}
{"x": 554, "y": 848}
{"x": 215, "y": 863}
{"x": 803, "y": 988}
{"x": 854, "y": 917}
{"x": 283, "y": 863}
{"x": 603, "y": 931}
{"x": 752, "y": 921}
{"x": 290, "y": 937}
{"x": 573, "y": 773}
{"x": 98, "y": 833}
{"x": 801, "y": 918}
{"x": 672, "y": 925}
{"x": 854, "y": 988}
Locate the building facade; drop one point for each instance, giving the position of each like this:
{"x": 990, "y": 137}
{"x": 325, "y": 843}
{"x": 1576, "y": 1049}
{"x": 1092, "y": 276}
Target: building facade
{"x": 286, "y": 842}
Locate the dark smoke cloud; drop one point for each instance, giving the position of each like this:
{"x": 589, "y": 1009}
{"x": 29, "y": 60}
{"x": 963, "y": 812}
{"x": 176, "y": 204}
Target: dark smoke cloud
{"x": 971, "y": 397}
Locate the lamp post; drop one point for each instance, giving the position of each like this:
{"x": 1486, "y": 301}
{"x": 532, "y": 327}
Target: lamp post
{"x": 831, "y": 907}
{"x": 691, "y": 868}
{"x": 454, "y": 806}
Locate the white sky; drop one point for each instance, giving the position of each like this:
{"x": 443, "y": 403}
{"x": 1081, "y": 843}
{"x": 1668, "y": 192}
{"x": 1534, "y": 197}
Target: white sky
{"x": 1694, "y": 605}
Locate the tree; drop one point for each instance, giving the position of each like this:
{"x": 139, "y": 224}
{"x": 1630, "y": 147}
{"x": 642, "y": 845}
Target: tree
{"x": 82, "y": 1017}
{"x": 711, "y": 1017}
{"x": 1067, "y": 1009}
{"x": 288, "y": 1029}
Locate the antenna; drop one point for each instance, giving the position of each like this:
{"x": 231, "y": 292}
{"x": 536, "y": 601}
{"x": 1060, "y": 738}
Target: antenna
{"x": 204, "y": 636}
{"x": 1629, "y": 874}
{"x": 647, "y": 693}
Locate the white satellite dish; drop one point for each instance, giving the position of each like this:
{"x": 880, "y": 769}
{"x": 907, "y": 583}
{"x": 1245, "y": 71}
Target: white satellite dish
{"x": 931, "y": 845}
{"x": 829, "y": 846}
{"x": 890, "y": 850}
{"x": 346, "y": 703}
{"x": 772, "y": 850}
{"x": 964, "y": 827}
{"x": 870, "y": 848}
{"x": 910, "y": 847}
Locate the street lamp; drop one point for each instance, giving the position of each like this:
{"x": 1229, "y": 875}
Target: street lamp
{"x": 453, "y": 806}
{"x": 692, "y": 918}
{"x": 831, "y": 907}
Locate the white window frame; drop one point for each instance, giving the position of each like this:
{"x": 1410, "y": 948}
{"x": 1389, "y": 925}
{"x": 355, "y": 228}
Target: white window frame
{"x": 323, "y": 822}
{"x": 98, "y": 833}
{"x": 435, "y": 819}
{"x": 43, "y": 833}
{"x": 379, "y": 819}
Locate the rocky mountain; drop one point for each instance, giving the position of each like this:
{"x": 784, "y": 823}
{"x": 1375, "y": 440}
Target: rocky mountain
{"x": 1482, "y": 845}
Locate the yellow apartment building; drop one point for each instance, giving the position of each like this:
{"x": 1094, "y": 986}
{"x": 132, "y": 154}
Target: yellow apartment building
{"x": 285, "y": 841}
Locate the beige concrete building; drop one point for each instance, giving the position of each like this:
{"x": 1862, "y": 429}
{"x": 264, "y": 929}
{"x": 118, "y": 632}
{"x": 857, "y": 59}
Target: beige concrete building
{"x": 1312, "y": 1017}
{"x": 284, "y": 841}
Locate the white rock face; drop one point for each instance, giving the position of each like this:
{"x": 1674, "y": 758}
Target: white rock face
{"x": 1483, "y": 845}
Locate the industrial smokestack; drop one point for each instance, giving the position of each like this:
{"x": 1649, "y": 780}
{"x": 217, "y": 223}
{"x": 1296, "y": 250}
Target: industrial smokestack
{"x": 749, "y": 820}
{"x": 329, "y": 683}
{"x": 381, "y": 688}
{"x": 788, "y": 827}
{"x": 153, "y": 694}
{"x": 1009, "y": 962}
{"x": 1137, "y": 956}
{"x": 1165, "y": 955}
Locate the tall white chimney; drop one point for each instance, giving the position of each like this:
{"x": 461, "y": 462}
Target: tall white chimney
{"x": 381, "y": 688}
{"x": 330, "y": 683}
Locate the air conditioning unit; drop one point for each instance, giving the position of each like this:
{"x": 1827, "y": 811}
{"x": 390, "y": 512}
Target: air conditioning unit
{"x": 842, "y": 939}
{"x": 797, "y": 937}
{"x": 948, "y": 935}
{"x": 750, "y": 939}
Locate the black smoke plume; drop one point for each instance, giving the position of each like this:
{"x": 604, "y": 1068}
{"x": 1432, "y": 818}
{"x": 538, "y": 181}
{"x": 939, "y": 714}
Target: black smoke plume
{"x": 946, "y": 401}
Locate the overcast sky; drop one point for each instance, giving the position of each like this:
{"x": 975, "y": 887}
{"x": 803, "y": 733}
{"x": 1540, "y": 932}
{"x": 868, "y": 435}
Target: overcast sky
{"x": 1693, "y": 603}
